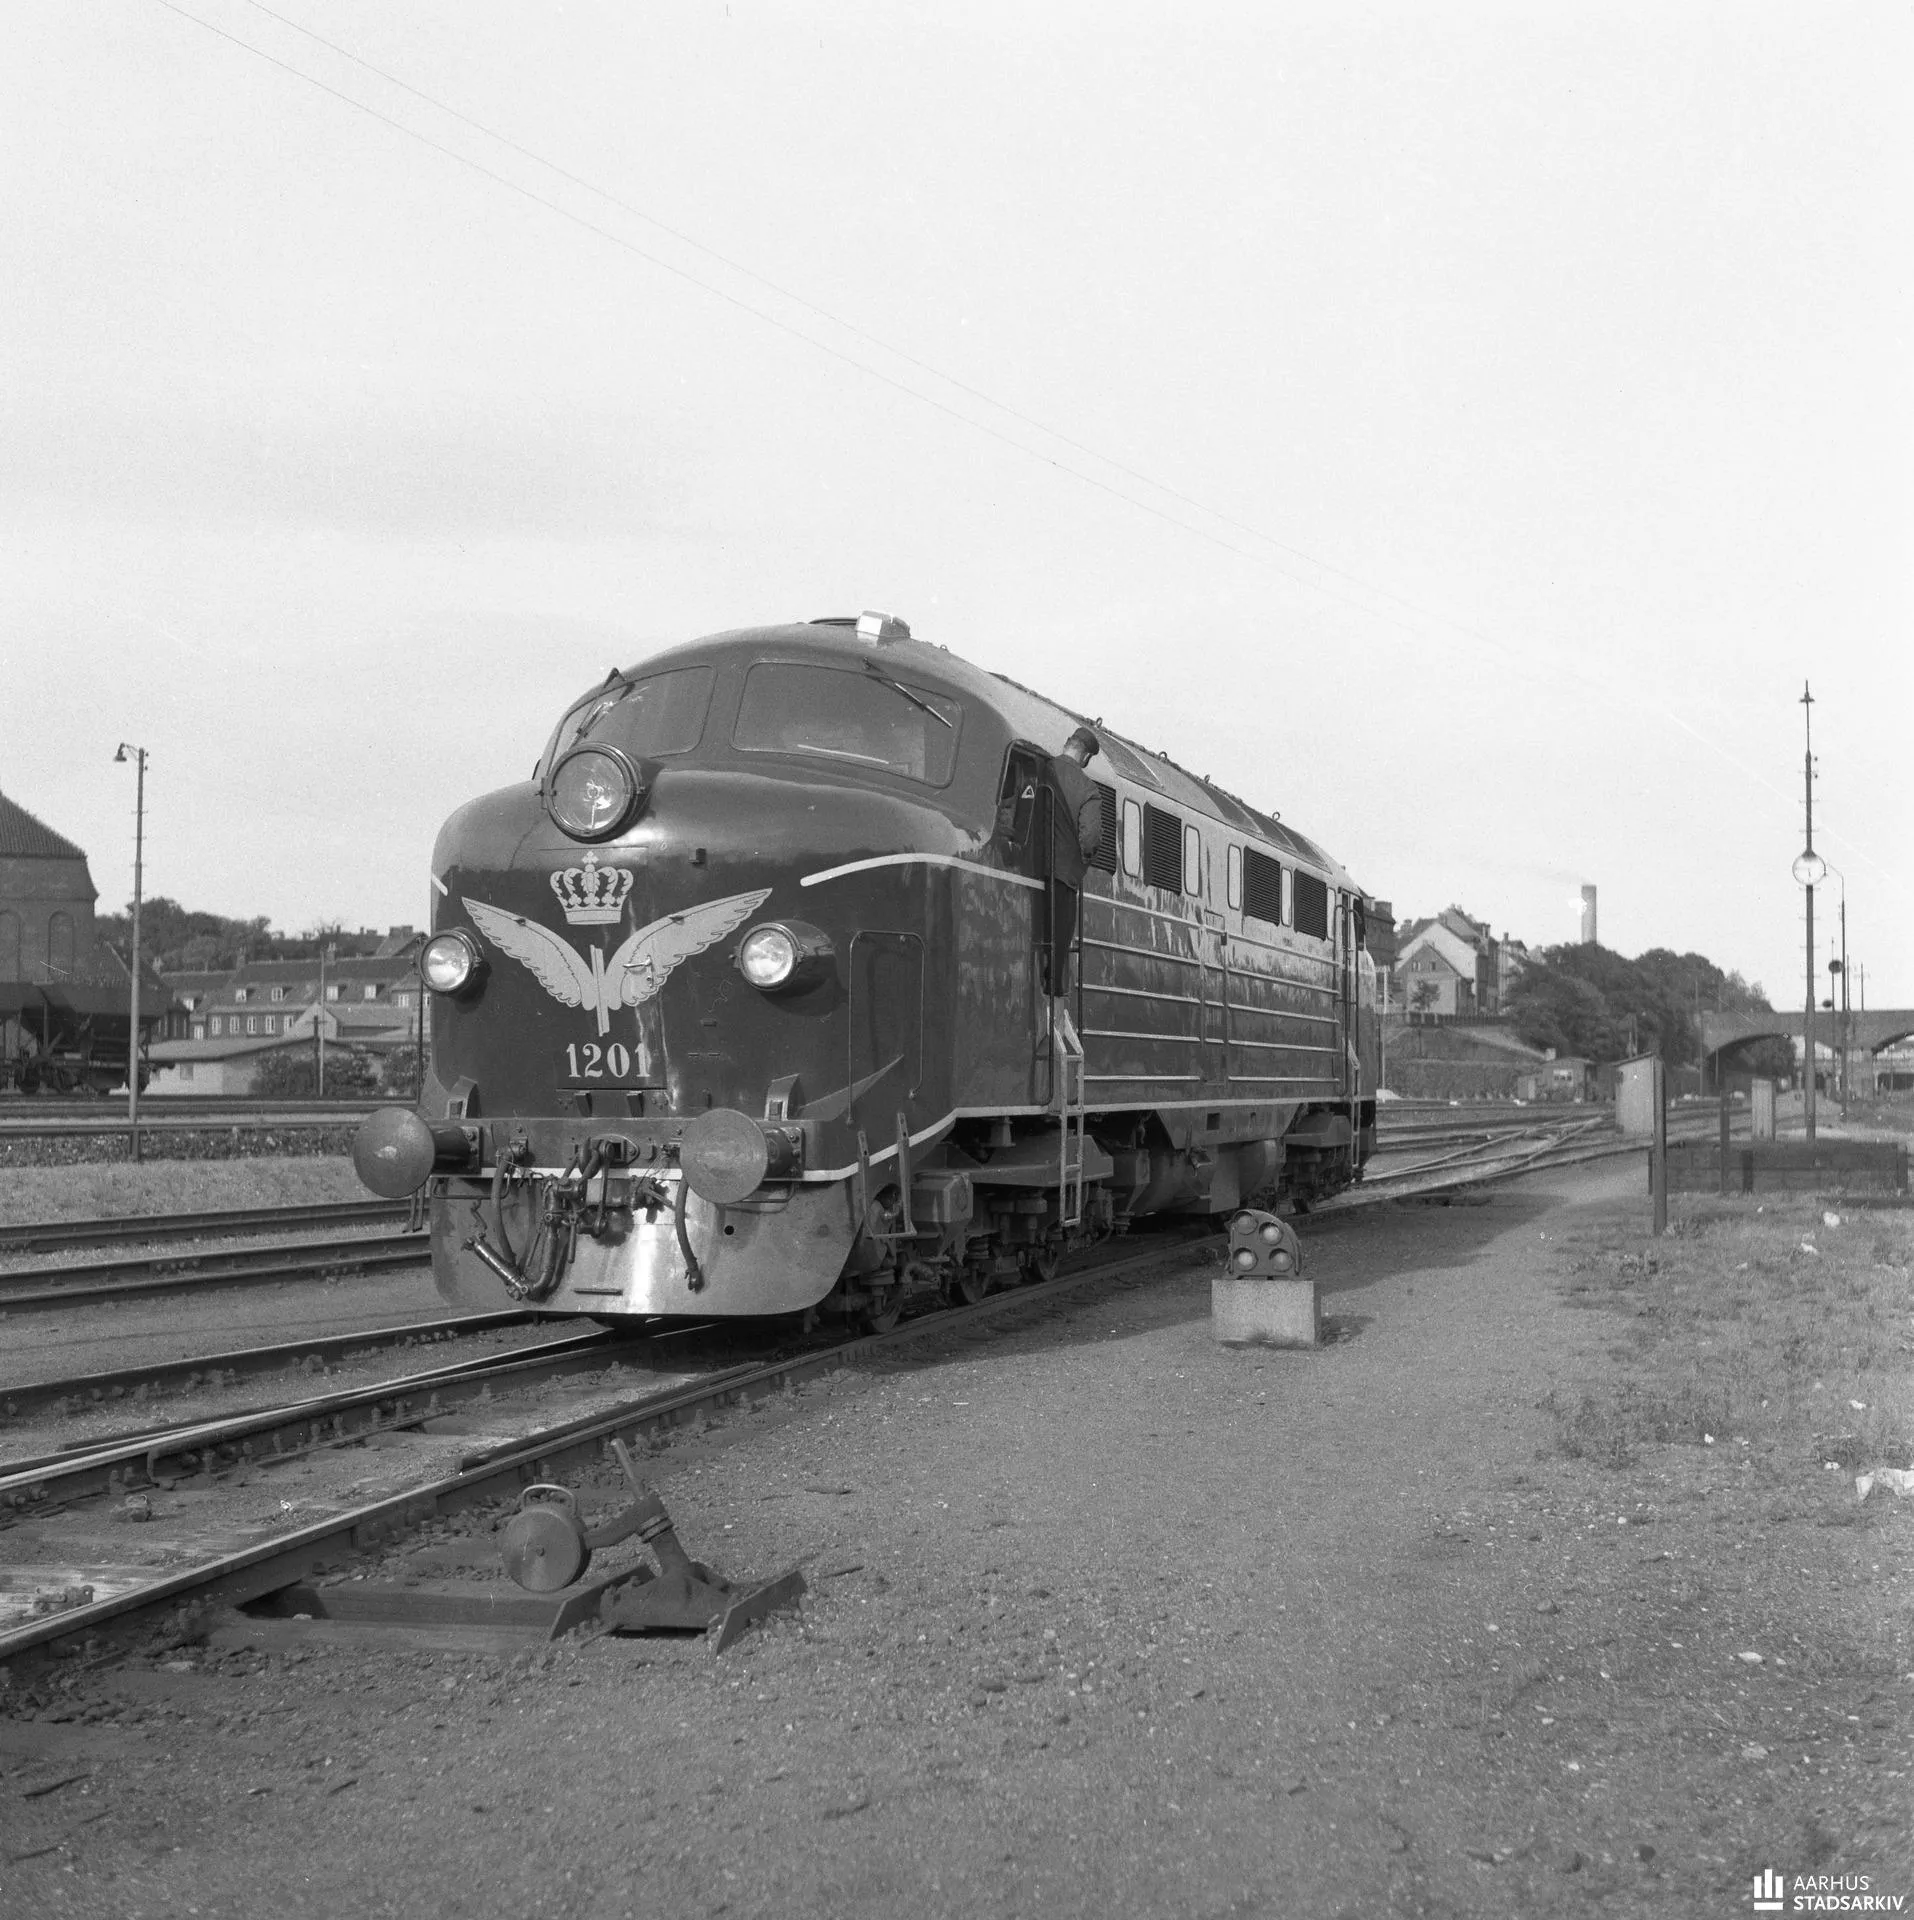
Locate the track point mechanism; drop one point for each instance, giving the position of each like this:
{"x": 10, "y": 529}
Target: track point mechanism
{"x": 548, "y": 1547}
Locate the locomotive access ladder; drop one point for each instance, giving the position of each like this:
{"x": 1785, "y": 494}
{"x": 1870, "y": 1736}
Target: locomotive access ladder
{"x": 1067, "y": 1050}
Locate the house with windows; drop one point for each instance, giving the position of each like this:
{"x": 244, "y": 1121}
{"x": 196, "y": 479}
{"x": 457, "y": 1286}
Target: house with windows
{"x": 371, "y": 1003}
{"x": 1452, "y": 964}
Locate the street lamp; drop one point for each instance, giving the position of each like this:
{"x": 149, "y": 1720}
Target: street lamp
{"x": 138, "y": 756}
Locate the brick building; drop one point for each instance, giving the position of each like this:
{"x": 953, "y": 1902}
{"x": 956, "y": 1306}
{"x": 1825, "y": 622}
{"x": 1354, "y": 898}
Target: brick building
{"x": 63, "y": 993}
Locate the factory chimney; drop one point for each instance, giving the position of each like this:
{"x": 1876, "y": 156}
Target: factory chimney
{"x": 1588, "y": 917}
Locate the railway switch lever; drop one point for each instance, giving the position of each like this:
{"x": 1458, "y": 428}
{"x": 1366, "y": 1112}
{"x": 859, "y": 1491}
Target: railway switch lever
{"x": 548, "y": 1548}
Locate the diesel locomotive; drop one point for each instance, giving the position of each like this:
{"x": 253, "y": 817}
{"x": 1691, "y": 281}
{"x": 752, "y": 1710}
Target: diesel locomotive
{"x": 818, "y": 971}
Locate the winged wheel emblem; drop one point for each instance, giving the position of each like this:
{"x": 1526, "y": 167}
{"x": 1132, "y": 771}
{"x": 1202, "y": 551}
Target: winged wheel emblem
{"x": 638, "y": 967}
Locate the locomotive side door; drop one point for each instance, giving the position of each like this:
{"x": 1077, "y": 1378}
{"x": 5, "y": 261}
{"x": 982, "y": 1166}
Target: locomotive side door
{"x": 1032, "y": 820}
{"x": 887, "y": 1029}
{"x": 1348, "y": 934}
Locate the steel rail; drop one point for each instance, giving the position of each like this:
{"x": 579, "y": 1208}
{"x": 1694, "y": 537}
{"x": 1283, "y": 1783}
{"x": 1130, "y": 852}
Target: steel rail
{"x": 208, "y": 1106}
{"x": 88, "y": 1392}
{"x": 140, "y": 1229}
{"x": 76, "y": 1126}
{"x": 218, "y": 1267}
{"x": 259, "y": 1436}
{"x": 1476, "y": 1147}
{"x": 309, "y": 1552}
{"x": 1413, "y": 1182}
{"x": 265, "y": 1566}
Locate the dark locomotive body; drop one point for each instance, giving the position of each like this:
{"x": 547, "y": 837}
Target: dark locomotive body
{"x": 1000, "y": 1036}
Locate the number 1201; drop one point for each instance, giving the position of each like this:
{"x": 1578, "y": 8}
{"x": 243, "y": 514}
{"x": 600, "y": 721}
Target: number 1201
{"x": 593, "y": 1062}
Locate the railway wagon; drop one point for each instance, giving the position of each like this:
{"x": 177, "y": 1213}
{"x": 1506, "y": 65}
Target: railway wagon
{"x": 817, "y": 969}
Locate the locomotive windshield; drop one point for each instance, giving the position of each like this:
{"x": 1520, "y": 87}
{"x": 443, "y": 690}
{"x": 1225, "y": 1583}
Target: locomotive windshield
{"x": 658, "y": 715}
{"x": 850, "y": 714}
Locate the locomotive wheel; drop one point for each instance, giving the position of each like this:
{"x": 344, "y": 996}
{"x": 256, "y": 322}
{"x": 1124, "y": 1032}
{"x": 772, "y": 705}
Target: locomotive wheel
{"x": 967, "y": 1286}
{"x": 885, "y": 1310}
{"x": 1041, "y": 1263}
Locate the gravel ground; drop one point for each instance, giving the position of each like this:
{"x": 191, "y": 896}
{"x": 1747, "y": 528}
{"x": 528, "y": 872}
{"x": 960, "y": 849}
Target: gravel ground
{"x": 1103, "y": 1621}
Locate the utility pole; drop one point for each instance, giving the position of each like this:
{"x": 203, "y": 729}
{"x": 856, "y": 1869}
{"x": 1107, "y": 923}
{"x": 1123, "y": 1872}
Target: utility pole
{"x": 319, "y": 1019}
{"x": 138, "y": 756}
{"x": 1807, "y": 870}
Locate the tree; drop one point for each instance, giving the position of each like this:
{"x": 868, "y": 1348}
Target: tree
{"x": 399, "y": 1073}
{"x": 1425, "y": 996}
{"x": 292, "y": 1073}
{"x": 176, "y": 938}
{"x": 1589, "y": 1000}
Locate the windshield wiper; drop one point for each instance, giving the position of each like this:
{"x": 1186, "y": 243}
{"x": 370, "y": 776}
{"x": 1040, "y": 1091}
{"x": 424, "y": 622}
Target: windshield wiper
{"x": 916, "y": 700}
{"x": 606, "y": 701}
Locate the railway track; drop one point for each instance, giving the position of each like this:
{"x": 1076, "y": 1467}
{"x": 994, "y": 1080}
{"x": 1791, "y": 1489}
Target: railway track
{"x": 27, "y": 1288}
{"x": 143, "y": 1459}
{"x": 66, "y": 1573}
{"x": 214, "y": 1106}
{"x": 64, "y": 1581}
{"x": 145, "y": 1229}
{"x": 86, "y": 1392}
{"x": 40, "y": 1126}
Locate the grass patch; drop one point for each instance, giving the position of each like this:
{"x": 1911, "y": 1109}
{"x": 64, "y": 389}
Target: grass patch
{"x": 1756, "y": 1326}
{"x": 110, "y": 1191}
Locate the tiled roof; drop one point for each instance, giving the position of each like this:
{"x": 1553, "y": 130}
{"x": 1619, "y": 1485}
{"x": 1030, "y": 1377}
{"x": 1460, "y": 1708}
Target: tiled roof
{"x": 22, "y": 837}
{"x": 285, "y": 972}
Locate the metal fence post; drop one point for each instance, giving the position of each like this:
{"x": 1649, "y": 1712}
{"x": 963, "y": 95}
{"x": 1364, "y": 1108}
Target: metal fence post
{"x": 1658, "y": 1143}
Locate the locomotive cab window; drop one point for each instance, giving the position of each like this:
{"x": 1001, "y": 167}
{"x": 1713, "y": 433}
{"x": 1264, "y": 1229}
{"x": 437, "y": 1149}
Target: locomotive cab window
{"x": 1192, "y": 862}
{"x": 649, "y": 719}
{"x": 851, "y": 716}
{"x": 1132, "y": 839}
{"x": 1236, "y": 876}
{"x": 1017, "y": 798}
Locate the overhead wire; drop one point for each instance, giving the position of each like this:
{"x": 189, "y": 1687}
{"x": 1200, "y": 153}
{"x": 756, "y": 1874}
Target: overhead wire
{"x": 1419, "y": 618}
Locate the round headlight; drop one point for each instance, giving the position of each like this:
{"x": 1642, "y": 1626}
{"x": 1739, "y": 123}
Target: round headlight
{"x": 448, "y": 961}
{"x": 768, "y": 956}
{"x": 593, "y": 792}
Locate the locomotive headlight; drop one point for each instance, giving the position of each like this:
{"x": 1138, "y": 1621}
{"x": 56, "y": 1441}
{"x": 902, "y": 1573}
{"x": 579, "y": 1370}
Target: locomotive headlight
{"x": 785, "y": 954}
{"x": 768, "y": 957}
{"x": 593, "y": 792}
{"x": 450, "y": 961}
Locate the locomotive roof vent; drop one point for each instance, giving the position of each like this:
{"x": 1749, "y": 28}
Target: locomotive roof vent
{"x": 876, "y": 627}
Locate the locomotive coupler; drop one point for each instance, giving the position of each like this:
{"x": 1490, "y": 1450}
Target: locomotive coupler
{"x": 548, "y": 1547}
{"x": 590, "y": 1196}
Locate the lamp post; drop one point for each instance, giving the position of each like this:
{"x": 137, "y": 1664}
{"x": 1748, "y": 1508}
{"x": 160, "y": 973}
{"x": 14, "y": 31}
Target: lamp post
{"x": 138, "y": 756}
{"x": 1809, "y": 867}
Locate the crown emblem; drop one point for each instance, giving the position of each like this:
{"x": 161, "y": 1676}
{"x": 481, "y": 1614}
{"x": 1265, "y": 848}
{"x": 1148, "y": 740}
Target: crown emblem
{"x": 592, "y": 896}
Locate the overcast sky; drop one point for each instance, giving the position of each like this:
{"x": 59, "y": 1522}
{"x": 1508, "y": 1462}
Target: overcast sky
{"x": 1461, "y": 428}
